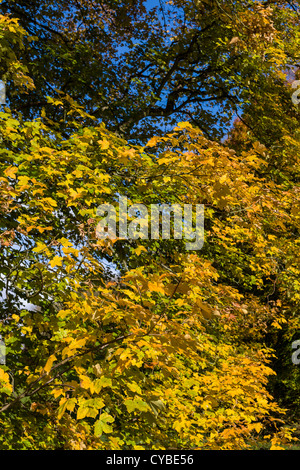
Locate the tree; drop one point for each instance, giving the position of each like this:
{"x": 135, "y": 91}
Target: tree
{"x": 176, "y": 345}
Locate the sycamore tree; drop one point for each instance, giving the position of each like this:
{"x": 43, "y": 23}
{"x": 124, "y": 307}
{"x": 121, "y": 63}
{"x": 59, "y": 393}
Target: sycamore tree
{"x": 174, "y": 348}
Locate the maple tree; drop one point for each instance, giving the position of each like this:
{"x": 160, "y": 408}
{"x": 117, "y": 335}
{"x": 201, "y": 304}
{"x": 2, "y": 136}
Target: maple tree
{"x": 174, "y": 348}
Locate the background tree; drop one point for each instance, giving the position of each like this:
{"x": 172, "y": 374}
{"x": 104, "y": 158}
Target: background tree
{"x": 180, "y": 344}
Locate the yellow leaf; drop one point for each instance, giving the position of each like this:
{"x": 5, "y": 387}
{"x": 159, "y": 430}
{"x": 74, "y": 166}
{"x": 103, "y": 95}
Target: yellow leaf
{"x": 66, "y": 243}
{"x": 155, "y": 287}
{"x": 4, "y": 377}
{"x": 56, "y": 261}
{"x": 152, "y": 142}
{"x": 40, "y": 247}
{"x": 134, "y": 387}
{"x": 82, "y": 412}
{"x": 23, "y": 181}
{"x": 77, "y": 173}
{"x": 86, "y": 383}
{"x": 256, "y": 426}
{"x": 184, "y": 125}
{"x": 62, "y": 407}
{"x": 49, "y": 201}
{"x": 223, "y": 178}
{"x": 139, "y": 249}
{"x": 78, "y": 343}
{"x": 11, "y": 172}
{"x": 49, "y": 363}
{"x": 104, "y": 144}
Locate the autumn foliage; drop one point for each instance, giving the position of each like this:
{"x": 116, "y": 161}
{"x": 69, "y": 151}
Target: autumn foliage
{"x": 142, "y": 344}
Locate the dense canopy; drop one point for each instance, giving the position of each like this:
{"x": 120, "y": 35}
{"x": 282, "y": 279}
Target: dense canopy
{"x": 143, "y": 343}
